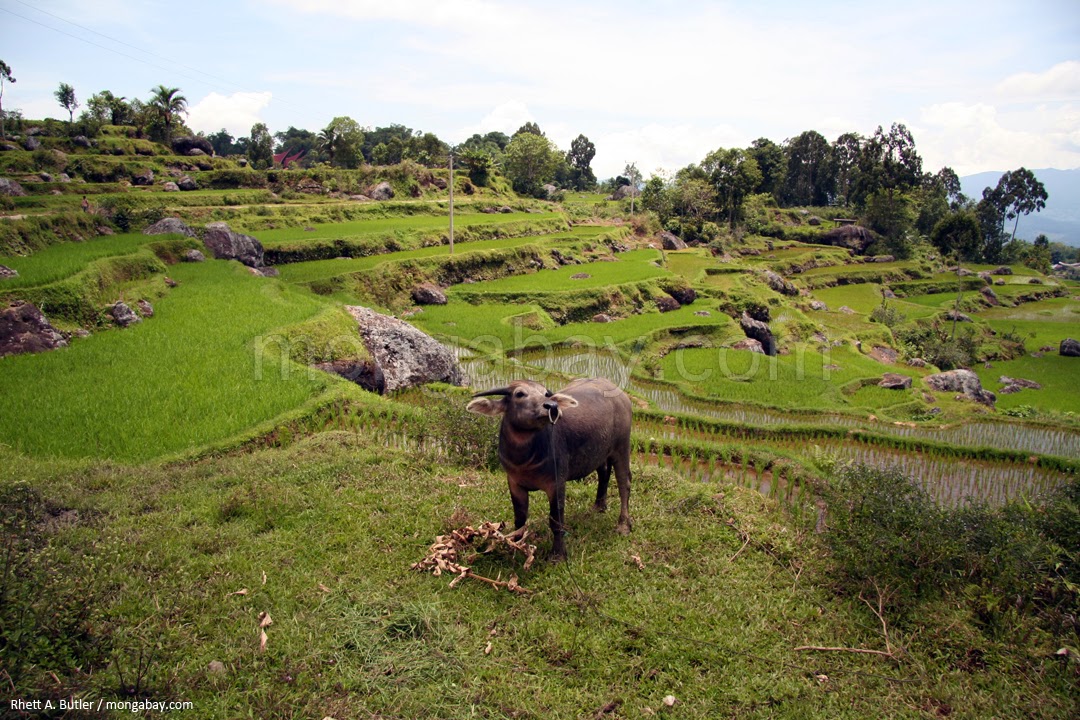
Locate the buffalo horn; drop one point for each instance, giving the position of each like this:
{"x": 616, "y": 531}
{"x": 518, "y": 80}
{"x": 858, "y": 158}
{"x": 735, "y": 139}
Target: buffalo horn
{"x": 496, "y": 391}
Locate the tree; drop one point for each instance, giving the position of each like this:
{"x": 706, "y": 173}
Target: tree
{"x": 734, "y": 174}
{"x": 634, "y": 176}
{"x": 342, "y": 140}
{"x": 530, "y": 161}
{"x": 260, "y": 149}
{"x": 580, "y": 158}
{"x": 5, "y": 76}
{"x": 1038, "y": 256}
{"x": 222, "y": 142}
{"x": 295, "y": 140}
{"x": 65, "y": 95}
{"x": 104, "y": 107}
{"x": 479, "y": 163}
{"x": 772, "y": 163}
{"x": 845, "y": 155}
{"x": 428, "y": 150}
{"x": 529, "y": 127}
{"x": 888, "y": 162}
{"x": 166, "y": 104}
{"x": 657, "y": 197}
{"x": 1024, "y": 194}
{"x": 958, "y": 234}
{"x": 810, "y": 179}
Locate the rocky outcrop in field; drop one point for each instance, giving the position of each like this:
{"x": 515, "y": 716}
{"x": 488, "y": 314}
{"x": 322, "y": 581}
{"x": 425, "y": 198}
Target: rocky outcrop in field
{"x": 24, "y": 329}
{"x": 226, "y": 244}
{"x": 964, "y": 382}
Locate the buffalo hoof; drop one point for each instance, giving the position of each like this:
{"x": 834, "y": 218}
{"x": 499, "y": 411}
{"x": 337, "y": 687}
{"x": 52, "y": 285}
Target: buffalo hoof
{"x": 599, "y": 507}
{"x": 556, "y": 557}
{"x": 624, "y": 528}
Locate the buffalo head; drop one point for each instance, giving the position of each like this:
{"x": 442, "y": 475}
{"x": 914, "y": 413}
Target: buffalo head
{"x": 527, "y": 405}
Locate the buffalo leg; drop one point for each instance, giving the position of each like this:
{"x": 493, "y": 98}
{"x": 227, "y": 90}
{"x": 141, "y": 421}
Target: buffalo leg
{"x": 557, "y": 501}
{"x": 519, "y": 497}
{"x": 603, "y": 476}
{"x": 622, "y": 477}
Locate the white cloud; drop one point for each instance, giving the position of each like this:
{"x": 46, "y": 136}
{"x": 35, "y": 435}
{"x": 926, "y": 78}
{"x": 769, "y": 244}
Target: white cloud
{"x": 236, "y": 113}
{"x": 1061, "y": 82}
{"x": 658, "y": 146}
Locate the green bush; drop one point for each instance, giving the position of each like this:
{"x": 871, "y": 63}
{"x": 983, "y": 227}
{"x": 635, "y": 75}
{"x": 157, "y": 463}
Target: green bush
{"x": 129, "y": 212}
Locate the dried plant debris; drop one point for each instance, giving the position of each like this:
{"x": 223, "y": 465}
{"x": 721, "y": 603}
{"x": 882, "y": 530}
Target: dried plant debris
{"x": 449, "y": 552}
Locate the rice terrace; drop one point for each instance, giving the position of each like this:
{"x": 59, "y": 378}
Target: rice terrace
{"x": 237, "y": 470}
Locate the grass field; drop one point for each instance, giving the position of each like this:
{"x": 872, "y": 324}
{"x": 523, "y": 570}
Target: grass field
{"x": 61, "y": 261}
{"x": 185, "y": 378}
{"x": 629, "y": 267}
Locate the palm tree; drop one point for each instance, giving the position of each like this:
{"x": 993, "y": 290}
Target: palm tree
{"x": 167, "y": 103}
{"x": 328, "y": 141}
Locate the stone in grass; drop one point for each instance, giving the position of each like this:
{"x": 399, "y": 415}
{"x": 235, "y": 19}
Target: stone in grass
{"x": 428, "y": 293}
{"x": 145, "y": 308}
{"x": 6, "y": 272}
{"x": 895, "y": 381}
{"x": 24, "y": 329}
{"x": 1069, "y": 348}
{"x": 122, "y": 314}
{"x": 964, "y": 382}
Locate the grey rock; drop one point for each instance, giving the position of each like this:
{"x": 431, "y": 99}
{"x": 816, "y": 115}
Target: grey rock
{"x": 6, "y": 272}
{"x": 45, "y": 177}
{"x": 1069, "y": 348}
{"x": 685, "y": 294}
{"x": 365, "y": 373}
{"x": 758, "y": 331}
{"x": 428, "y": 294}
{"x": 818, "y": 305}
{"x": 24, "y": 329}
{"x": 184, "y": 145}
{"x": 670, "y": 241}
{"x": 601, "y": 318}
{"x": 7, "y": 147}
{"x": 624, "y": 191}
{"x": 227, "y": 244}
{"x": 964, "y": 382}
{"x": 779, "y": 284}
{"x": 813, "y": 220}
{"x": 1019, "y": 383}
{"x": 895, "y": 381}
{"x": 11, "y": 188}
{"x": 957, "y": 316}
{"x": 145, "y": 308}
{"x": 580, "y": 276}
{"x": 382, "y": 191}
{"x": 406, "y": 356}
{"x": 884, "y": 354}
{"x": 104, "y": 230}
{"x": 143, "y": 177}
{"x": 171, "y": 187}
{"x": 123, "y": 315}
{"x": 749, "y": 344}
{"x": 195, "y": 152}
{"x": 703, "y": 313}
{"x": 31, "y": 143}
{"x": 666, "y": 303}
{"x": 169, "y": 225}
{"x": 81, "y": 141}
{"x": 854, "y": 237}
{"x": 989, "y": 295}
{"x": 846, "y": 310}
{"x": 916, "y": 362}
{"x": 506, "y": 209}
{"x": 187, "y": 183}
{"x": 265, "y": 271}
{"x": 1002, "y": 270}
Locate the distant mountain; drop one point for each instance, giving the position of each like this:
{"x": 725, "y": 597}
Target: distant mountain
{"x": 1059, "y": 221}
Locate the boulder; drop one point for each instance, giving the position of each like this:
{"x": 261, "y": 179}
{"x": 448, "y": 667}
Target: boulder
{"x": 186, "y": 183}
{"x": 171, "y": 187}
{"x": 104, "y": 230}
{"x": 846, "y": 310}
{"x": 45, "y": 177}
{"x": 506, "y": 209}
{"x": 382, "y": 191}
{"x": 779, "y": 284}
{"x": 11, "y": 188}
{"x": 1069, "y": 348}
{"x": 143, "y": 177}
{"x": 624, "y": 191}
{"x": 670, "y": 241}
{"x": 193, "y": 256}
{"x": 6, "y": 272}
{"x": 957, "y": 316}
{"x": 428, "y": 294}
{"x": 601, "y": 318}
{"x": 916, "y": 362}
{"x": 819, "y": 305}
{"x": 195, "y": 152}
{"x": 683, "y": 293}
{"x": 365, "y": 373}
{"x": 758, "y": 331}
{"x": 1002, "y": 270}
{"x": 122, "y": 314}
{"x": 964, "y": 382}
{"x": 703, "y": 313}
{"x": 580, "y": 276}
{"x": 81, "y": 141}
{"x": 666, "y": 303}
{"x": 24, "y": 329}
{"x": 265, "y": 271}
{"x": 1017, "y": 384}
{"x": 895, "y": 381}
{"x": 404, "y": 356}
{"x": 7, "y": 147}
{"x": 169, "y": 226}
{"x": 854, "y": 237}
{"x": 550, "y": 190}
{"x": 884, "y": 354}
{"x": 989, "y": 295}
{"x": 813, "y": 220}
{"x": 145, "y": 308}
{"x": 227, "y": 244}
{"x": 883, "y": 258}
{"x": 184, "y": 145}
{"x": 31, "y": 143}
{"x": 749, "y": 344}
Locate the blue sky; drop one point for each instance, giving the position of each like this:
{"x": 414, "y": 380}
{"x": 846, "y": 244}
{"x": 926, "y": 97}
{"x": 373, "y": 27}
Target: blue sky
{"x": 982, "y": 85}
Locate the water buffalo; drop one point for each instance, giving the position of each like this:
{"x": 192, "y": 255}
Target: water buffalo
{"x": 548, "y": 438}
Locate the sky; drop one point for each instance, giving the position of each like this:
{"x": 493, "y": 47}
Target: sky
{"x": 983, "y": 86}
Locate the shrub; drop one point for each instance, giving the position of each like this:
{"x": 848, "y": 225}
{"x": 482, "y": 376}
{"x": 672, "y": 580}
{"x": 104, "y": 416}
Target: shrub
{"x": 887, "y": 316}
{"x": 129, "y": 212}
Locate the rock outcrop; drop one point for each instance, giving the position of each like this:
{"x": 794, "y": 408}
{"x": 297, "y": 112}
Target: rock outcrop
{"x": 758, "y": 331}
{"x": 670, "y": 241}
{"x": 1015, "y": 385}
{"x": 405, "y": 356}
{"x": 169, "y": 225}
{"x": 895, "y": 381}
{"x": 186, "y": 183}
{"x": 6, "y": 272}
{"x": 779, "y": 284}
{"x": 11, "y": 188}
{"x": 227, "y": 244}
{"x": 184, "y": 145}
{"x": 428, "y": 294}
{"x": 853, "y": 237}
{"x": 123, "y": 315}
{"x": 382, "y": 191}
{"x": 666, "y": 303}
{"x": 24, "y": 329}
{"x": 193, "y": 256}
{"x": 1069, "y": 348}
{"x": 964, "y": 382}
{"x": 749, "y": 344}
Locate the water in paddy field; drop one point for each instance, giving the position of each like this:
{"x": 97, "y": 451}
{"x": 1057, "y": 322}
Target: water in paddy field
{"x": 949, "y": 479}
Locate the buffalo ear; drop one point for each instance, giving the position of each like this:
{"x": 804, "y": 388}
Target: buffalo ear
{"x": 487, "y": 406}
{"x": 563, "y": 401}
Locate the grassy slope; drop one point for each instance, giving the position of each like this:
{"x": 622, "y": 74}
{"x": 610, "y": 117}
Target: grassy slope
{"x": 185, "y": 377}
{"x": 321, "y": 536}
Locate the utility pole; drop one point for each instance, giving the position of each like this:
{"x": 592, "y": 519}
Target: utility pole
{"x": 451, "y": 203}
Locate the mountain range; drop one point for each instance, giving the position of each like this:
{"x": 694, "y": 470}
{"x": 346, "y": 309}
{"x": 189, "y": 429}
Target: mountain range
{"x": 1059, "y": 220}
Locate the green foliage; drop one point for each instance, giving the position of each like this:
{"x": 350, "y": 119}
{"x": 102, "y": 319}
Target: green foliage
{"x": 260, "y": 151}
{"x": 958, "y": 233}
{"x": 887, "y": 315}
{"x": 65, "y": 95}
{"x": 131, "y": 212}
{"x": 530, "y": 162}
